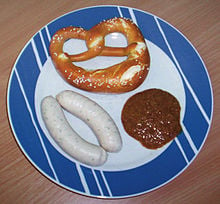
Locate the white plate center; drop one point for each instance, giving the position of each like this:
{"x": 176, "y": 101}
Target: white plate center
{"x": 162, "y": 74}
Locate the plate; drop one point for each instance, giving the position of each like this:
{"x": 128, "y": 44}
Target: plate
{"x": 175, "y": 67}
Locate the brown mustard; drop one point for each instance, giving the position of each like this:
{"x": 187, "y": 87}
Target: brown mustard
{"x": 152, "y": 117}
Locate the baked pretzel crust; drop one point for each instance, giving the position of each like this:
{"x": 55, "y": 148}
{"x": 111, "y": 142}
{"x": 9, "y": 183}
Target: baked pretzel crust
{"x": 119, "y": 78}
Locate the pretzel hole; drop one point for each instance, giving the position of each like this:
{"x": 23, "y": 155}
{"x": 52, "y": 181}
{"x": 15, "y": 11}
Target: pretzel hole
{"x": 76, "y": 46}
{"x": 116, "y": 40}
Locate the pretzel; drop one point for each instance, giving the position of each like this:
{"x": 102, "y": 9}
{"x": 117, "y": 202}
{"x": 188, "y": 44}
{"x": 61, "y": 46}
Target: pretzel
{"x": 119, "y": 78}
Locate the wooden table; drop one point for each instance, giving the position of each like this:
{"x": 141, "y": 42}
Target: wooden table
{"x": 198, "y": 20}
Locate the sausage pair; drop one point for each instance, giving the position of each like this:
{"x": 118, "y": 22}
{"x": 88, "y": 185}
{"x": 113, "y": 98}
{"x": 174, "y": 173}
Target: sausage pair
{"x": 90, "y": 112}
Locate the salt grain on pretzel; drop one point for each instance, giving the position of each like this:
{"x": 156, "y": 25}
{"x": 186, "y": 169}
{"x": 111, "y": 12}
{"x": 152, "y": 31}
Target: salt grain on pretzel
{"x": 119, "y": 78}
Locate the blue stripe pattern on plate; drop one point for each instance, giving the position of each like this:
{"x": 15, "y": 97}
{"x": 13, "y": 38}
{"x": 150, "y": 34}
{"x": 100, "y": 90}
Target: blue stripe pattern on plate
{"x": 28, "y": 72}
{"x": 191, "y": 65}
{"x": 198, "y": 128}
{"x": 40, "y": 48}
{"x": 148, "y": 176}
{"x": 102, "y": 183}
{"x": 27, "y": 137}
{"x": 124, "y": 12}
{"x": 91, "y": 182}
{"x": 45, "y": 39}
{"x": 186, "y": 146}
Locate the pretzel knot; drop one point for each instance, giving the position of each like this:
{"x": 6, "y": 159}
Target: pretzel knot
{"x": 119, "y": 78}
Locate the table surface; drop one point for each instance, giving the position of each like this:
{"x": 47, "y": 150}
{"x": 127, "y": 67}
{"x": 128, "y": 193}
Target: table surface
{"x": 198, "y": 20}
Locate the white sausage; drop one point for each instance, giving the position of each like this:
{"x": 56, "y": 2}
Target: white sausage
{"x": 67, "y": 138}
{"x": 95, "y": 116}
